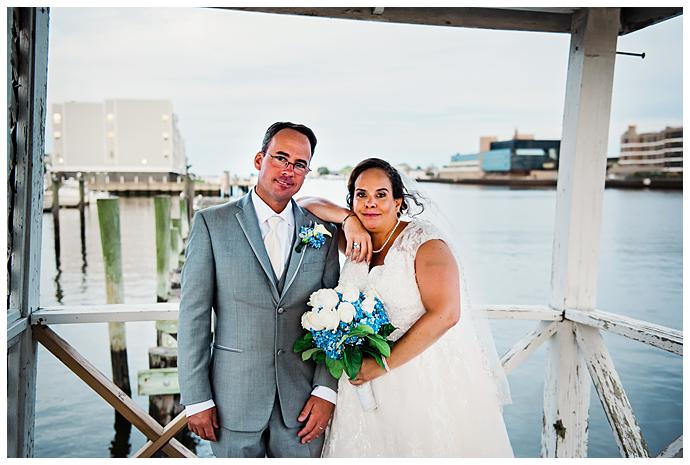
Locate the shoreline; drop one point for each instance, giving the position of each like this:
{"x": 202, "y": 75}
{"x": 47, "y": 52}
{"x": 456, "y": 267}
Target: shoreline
{"x": 647, "y": 183}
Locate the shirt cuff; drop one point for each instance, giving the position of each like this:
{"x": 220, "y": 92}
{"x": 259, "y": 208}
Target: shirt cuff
{"x": 193, "y": 409}
{"x": 325, "y": 393}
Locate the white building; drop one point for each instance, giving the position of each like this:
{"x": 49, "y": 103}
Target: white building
{"x": 651, "y": 153}
{"x": 117, "y": 136}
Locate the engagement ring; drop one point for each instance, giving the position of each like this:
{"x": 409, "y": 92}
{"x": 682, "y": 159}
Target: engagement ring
{"x": 355, "y": 245}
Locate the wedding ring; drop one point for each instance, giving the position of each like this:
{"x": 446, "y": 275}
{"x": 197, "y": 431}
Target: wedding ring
{"x": 355, "y": 245}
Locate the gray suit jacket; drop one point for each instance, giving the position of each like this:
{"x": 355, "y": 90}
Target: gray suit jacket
{"x": 227, "y": 271}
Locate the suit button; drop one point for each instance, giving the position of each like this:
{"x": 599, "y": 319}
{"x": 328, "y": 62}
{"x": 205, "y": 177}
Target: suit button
{"x": 281, "y": 310}
{"x": 281, "y": 351}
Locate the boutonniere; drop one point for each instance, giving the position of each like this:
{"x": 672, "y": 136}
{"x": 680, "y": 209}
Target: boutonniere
{"x": 312, "y": 235}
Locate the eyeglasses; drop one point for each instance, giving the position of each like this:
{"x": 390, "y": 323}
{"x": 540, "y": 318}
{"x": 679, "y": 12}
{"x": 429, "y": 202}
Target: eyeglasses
{"x": 279, "y": 161}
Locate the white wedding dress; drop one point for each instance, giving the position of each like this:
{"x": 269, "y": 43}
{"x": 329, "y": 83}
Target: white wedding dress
{"x": 442, "y": 403}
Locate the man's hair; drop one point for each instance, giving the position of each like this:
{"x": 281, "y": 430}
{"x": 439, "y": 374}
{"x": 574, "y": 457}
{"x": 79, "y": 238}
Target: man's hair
{"x": 279, "y": 126}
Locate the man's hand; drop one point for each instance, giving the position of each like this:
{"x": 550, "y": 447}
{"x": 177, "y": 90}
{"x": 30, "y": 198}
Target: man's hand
{"x": 317, "y": 412}
{"x": 355, "y": 233}
{"x": 204, "y": 424}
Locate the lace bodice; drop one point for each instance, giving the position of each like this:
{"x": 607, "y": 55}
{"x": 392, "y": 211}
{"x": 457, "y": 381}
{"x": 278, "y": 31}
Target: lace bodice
{"x": 395, "y": 281}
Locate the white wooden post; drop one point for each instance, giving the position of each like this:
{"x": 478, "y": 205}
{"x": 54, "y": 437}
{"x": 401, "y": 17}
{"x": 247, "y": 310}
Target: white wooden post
{"x": 581, "y": 176}
{"x": 27, "y": 70}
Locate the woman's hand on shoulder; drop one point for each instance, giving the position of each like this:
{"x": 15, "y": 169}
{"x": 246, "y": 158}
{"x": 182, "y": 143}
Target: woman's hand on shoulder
{"x": 355, "y": 233}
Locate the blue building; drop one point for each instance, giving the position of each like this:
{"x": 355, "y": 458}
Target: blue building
{"x": 521, "y": 156}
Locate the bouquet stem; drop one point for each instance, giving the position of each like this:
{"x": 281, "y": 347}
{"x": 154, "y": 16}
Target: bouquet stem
{"x": 365, "y": 394}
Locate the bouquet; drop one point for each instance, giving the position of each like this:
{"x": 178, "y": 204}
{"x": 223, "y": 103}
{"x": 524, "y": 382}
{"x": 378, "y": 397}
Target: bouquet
{"x": 343, "y": 325}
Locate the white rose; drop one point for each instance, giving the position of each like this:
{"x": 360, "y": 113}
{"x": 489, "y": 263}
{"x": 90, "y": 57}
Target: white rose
{"x": 329, "y": 318}
{"x": 319, "y": 228}
{"x": 324, "y": 298}
{"x": 368, "y": 305}
{"x": 311, "y": 321}
{"x": 346, "y": 312}
{"x": 350, "y": 294}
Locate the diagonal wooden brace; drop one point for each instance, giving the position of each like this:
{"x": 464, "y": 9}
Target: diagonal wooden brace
{"x": 615, "y": 402}
{"x": 169, "y": 432}
{"x": 105, "y": 388}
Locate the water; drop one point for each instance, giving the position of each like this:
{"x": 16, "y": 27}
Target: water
{"x": 505, "y": 237}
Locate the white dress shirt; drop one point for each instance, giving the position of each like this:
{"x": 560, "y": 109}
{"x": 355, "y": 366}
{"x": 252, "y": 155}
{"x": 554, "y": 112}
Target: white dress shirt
{"x": 285, "y": 231}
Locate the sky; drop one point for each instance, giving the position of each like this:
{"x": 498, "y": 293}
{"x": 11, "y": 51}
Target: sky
{"x": 407, "y": 93}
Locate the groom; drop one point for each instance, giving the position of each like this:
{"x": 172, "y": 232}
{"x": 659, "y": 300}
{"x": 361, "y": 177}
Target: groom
{"x": 243, "y": 387}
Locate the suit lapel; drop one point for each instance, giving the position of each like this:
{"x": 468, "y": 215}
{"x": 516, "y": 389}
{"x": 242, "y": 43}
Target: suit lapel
{"x": 249, "y": 223}
{"x": 295, "y": 258}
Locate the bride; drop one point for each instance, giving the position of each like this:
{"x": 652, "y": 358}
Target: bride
{"x": 439, "y": 395}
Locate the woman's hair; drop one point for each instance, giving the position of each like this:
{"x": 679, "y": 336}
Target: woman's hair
{"x": 399, "y": 190}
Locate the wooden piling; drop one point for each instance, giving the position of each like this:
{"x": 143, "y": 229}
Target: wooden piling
{"x": 176, "y": 243}
{"x": 80, "y": 178}
{"x": 55, "y": 210}
{"x": 184, "y": 220}
{"x": 109, "y": 224}
{"x": 162, "y": 212}
{"x": 189, "y": 196}
{"x": 164, "y": 407}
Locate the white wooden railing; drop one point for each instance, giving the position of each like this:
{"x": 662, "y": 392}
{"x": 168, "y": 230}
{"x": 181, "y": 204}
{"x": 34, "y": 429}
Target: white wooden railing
{"x": 586, "y": 324}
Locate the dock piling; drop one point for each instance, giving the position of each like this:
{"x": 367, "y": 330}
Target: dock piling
{"x": 109, "y": 225}
{"x": 55, "y": 210}
{"x": 162, "y": 212}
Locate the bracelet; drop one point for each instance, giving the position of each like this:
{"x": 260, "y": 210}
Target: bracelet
{"x": 342, "y": 223}
{"x": 385, "y": 364}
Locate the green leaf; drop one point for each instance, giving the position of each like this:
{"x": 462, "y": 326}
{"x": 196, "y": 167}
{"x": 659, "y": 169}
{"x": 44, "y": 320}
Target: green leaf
{"x": 306, "y": 355}
{"x": 387, "y": 329}
{"x": 319, "y": 357}
{"x": 361, "y": 330}
{"x": 352, "y": 357}
{"x": 375, "y": 355}
{"x": 303, "y": 343}
{"x": 379, "y": 344}
{"x": 335, "y": 367}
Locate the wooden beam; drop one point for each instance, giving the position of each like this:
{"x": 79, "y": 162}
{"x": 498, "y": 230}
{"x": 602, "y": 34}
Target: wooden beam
{"x": 668, "y": 339}
{"x": 15, "y": 328}
{"x": 636, "y": 18}
{"x": 566, "y": 397}
{"x": 105, "y": 388}
{"x": 483, "y": 18}
{"x": 105, "y": 313}
{"x": 528, "y": 344}
{"x": 157, "y": 381}
{"x": 521, "y": 312}
{"x": 579, "y": 197}
{"x": 673, "y": 450}
{"x": 611, "y": 393}
{"x": 27, "y": 72}
{"x": 169, "y": 432}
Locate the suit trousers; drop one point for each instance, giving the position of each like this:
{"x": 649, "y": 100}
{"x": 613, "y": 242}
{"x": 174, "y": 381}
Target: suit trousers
{"x": 274, "y": 440}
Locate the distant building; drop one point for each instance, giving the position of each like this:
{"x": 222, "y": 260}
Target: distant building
{"x": 125, "y": 138}
{"x": 650, "y": 153}
{"x": 485, "y": 143}
{"x": 520, "y": 155}
{"x": 414, "y": 173}
{"x": 462, "y": 166}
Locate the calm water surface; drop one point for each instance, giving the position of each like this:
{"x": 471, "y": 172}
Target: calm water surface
{"x": 505, "y": 237}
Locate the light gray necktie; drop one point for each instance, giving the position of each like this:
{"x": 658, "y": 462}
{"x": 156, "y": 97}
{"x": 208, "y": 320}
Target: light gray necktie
{"x": 274, "y": 247}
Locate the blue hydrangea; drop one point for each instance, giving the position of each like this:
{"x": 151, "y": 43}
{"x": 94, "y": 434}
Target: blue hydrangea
{"x": 307, "y": 236}
{"x": 328, "y": 339}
